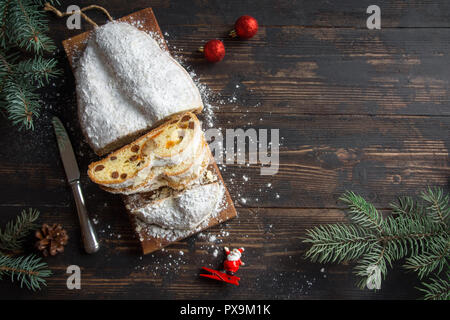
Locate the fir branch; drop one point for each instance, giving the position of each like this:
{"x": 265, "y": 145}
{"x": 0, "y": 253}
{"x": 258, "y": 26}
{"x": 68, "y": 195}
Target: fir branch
{"x": 436, "y": 289}
{"x": 404, "y": 235}
{"x": 18, "y": 83}
{"x": 29, "y": 270}
{"x": 433, "y": 260}
{"x": 378, "y": 258}
{"x": 338, "y": 243}
{"x": 438, "y": 204}
{"x": 362, "y": 212}
{"x": 4, "y": 11}
{"x": 38, "y": 70}
{"x": 416, "y": 231}
{"x": 11, "y": 239}
{"x": 23, "y": 103}
{"x": 23, "y": 25}
{"x": 406, "y": 206}
{"x": 29, "y": 25}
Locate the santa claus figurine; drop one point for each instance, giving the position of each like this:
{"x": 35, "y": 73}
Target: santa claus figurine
{"x": 233, "y": 261}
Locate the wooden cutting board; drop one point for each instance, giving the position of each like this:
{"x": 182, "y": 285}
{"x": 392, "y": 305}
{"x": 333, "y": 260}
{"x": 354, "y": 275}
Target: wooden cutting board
{"x": 145, "y": 20}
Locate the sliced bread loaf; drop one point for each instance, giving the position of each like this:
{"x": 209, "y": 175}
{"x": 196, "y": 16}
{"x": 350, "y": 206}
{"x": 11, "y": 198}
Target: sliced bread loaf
{"x": 120, "y": 167}
{"x": 174, "y": 146}
{"x": 177, "y": 177}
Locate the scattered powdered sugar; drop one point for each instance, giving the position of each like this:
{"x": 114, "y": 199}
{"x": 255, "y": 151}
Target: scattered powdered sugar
{"x": 165, "y": 262}
{"x": 298, "y": 283}
{"x": 212, "y": 242}
{"x": 107, "y": 232}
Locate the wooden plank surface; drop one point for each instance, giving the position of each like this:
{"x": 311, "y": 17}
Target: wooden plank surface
{"x": 356, "y": 109}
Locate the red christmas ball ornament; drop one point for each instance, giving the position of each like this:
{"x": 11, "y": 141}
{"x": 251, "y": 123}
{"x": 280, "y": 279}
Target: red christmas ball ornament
{"x": 245, "y": 27}
{"x": 213, "y": 50}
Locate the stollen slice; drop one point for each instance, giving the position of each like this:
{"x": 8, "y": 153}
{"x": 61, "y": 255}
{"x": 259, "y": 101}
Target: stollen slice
{"x": 120, "y": 167}
{"x": 184, "y": 175}
{"x": 177, "y": 176}
{"x": 133, "y": 164}
{"x": 177, "y": 143}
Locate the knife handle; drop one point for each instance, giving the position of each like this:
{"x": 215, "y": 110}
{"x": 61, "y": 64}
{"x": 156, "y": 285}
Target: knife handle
{"x": 88, "y": 234}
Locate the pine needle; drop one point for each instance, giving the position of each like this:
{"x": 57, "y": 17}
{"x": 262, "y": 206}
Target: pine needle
{"x": 431, "y": 261}
{"x": 23, "y": 27}
{"x": 38, "y": 70}
{"x": 362, "y": 212}
{"x": 416, "y": 231}
{"x": 438, "y": 204}
{"x": 11, "y": 239}
{"x": 406, "y": 206}
{"x": 28, "y": 25}
{"x": 30, "y": 271}
{"x": 436, "y": 289}
{"x": 23, "y": 103}
{"x": 338, "y": 243}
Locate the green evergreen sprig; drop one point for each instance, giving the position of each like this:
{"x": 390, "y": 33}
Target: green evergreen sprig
{"x": 27, "y": 26}
{"x": 11, "y": 239}
{"x": 37, "y": 70}
{"x": 436, "y": 289}
{"x": 416, "y": 231}
{"x": 30, "y": 271}
{"x": 23, "y": 68}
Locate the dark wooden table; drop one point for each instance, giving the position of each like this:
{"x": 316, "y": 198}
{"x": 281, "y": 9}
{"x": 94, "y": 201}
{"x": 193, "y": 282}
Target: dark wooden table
{"x": 362, "y": 110}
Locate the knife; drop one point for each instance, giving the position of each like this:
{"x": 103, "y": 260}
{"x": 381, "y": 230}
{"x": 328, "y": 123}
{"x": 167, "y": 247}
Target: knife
{"x": 88, "y": 234}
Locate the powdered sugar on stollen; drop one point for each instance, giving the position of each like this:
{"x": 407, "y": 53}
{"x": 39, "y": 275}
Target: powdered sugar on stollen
{"x": 194, "y": 203}
{"x": 126, "y": 83}
{"x": 105, "y": 114}
{"x": 184, "y": 211}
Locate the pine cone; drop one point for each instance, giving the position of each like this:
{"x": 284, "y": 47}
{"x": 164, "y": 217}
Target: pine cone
{"x": 52, "y": 239}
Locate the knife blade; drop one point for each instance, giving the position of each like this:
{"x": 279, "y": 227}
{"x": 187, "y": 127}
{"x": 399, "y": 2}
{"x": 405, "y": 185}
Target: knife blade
{"x": 88, "y": 234}
{"x": 66, "y": 151}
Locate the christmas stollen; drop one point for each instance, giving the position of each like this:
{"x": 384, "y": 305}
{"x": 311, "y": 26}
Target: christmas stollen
{"x": 172, "y": 154}
{"x": 181, "y": 179}
{"x": 127, "y": 84}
